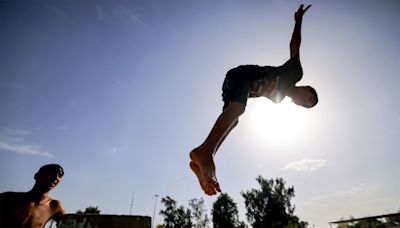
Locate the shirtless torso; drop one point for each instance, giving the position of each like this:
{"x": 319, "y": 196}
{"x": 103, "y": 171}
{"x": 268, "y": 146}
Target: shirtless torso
{"x": 35, "y": 208}
{"x": 21, "y": 210}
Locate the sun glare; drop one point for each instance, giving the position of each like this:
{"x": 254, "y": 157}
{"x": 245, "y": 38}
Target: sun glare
{"x": 279, "y": 125}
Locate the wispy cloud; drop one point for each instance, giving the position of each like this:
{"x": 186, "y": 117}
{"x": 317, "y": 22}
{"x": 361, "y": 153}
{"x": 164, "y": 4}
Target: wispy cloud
{"x": 22, "y": 88}
{"x": 15, "y": 132}
{"x": 63, "y": 128}
{"x": 118, "y": 11}
{"x": 100, "y": 12}
{"x": 124, "y": 11}
{"x": 12, "y": 140}
{"x": 56, "y": 11}
{"x": 306, "y": 165}
{"x": 129, "y": 14}
{"x": 24, "y": 149}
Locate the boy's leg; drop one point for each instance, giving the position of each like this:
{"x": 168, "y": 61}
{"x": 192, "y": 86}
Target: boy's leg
{"x": 227, "y": 133}
{"x": 202, "y": 162}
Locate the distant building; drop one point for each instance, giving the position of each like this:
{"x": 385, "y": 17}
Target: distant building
{"x": 387, "y": 221}
{"x": 105, "y": 221}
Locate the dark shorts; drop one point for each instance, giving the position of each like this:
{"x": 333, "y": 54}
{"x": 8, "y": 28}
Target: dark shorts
{"x": 242, "y": 80}
{"x": 236, "y": 87}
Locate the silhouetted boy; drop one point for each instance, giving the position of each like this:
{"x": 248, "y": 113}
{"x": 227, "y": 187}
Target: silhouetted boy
{"x": 246, "y": 81}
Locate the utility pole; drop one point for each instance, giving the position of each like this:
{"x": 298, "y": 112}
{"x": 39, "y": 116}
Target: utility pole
{"x": 154, "y": 211}
{"x": 130, "y": 210}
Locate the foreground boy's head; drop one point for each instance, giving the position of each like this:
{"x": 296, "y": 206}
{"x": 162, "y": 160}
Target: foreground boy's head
{"x": 48, "y": 177}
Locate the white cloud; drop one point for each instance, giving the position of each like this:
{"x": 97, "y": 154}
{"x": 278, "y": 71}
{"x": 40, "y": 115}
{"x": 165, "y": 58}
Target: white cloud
{"x": 118, "y": 11}
{"x": 56, "y": 11}
{"x": 125, "y": 11}
{"x": 24, "y": 149}
{"x": 306, "y": 164}
{"x": 100, "y": 12}
{"x": 12, "y": 135}
{"x": 63, "y": 128}
{"x": 12, "y": 140}
{"x": 15, "y": 132}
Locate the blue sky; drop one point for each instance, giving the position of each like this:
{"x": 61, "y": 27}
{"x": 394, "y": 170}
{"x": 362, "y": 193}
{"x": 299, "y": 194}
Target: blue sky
{"x": 119, "y": 92}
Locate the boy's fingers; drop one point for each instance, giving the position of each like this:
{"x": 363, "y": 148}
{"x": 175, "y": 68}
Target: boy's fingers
{"x": 300, "y": 8}
{"x": 307, "y": 8}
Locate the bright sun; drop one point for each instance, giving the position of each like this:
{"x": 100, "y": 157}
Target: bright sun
{"x": 279, "y": 125}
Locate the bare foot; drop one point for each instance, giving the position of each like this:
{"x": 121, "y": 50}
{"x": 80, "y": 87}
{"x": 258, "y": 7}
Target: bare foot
{"x": 204, "y": 168}
{"x": 203, "y": 183}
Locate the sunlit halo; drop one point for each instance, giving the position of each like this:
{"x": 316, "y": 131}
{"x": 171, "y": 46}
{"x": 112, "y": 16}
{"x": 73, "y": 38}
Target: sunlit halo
{"x": 278, "y": 125}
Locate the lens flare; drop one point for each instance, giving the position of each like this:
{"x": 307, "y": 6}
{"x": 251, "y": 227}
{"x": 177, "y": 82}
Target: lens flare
{"x": 278, "y": 125}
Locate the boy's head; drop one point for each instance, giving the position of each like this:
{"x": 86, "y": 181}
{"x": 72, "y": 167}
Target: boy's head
{"x": 49, "y": 176}
{"x": 305, "y": 96}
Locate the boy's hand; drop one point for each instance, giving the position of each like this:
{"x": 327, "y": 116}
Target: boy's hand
{"x": 300, "y": 12}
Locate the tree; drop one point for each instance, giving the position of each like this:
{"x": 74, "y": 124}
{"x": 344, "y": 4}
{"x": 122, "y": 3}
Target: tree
{"x": 80, "y": 221}
{"x": 175, "y": 217}
{"x": 90, "y": 210}
{"x": 372, "y": 223}
{"x": 199, "y": 213}
{"x": 394, "y": 220}
{"x": 225, "y": 213}
{"x": 270, "y": 206}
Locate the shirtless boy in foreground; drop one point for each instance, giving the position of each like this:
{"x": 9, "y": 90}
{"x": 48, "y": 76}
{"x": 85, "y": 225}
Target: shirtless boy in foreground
{"x": 247, "y": 81}
{"x": 34, "y": 208}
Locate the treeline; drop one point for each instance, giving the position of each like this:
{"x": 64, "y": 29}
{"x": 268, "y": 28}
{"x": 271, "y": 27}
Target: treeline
{"x": 267, "y": 206}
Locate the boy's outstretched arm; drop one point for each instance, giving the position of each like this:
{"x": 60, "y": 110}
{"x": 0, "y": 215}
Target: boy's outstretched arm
{"x": 296, "y": 36}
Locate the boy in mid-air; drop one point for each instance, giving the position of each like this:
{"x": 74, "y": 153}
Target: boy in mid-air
{"x": 246, "y": 81}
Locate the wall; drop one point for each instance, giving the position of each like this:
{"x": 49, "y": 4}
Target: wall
{"x": 105, "y": 221}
